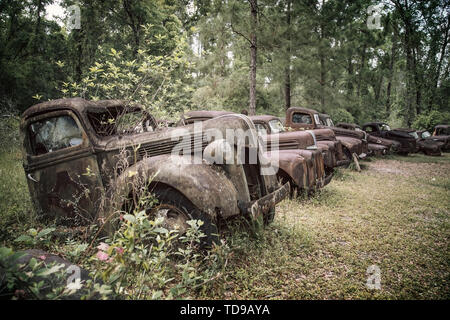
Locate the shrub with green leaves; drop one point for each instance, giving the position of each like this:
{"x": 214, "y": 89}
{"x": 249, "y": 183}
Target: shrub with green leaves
{"x": 144, "y": 260}
{"x": 341, "y": 115}
{"x": 156, "y": 80}
{"x": 427, "y": 121}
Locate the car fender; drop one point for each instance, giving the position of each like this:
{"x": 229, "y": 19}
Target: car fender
{"x": 207, "y": 187}
{"x": 352, "y": 144}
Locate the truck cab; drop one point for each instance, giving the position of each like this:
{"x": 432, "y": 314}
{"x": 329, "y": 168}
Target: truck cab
{"x": 309, "y": 119}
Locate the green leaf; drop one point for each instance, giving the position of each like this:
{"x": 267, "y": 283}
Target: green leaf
{"x": 24, "y": 238}
{"x": 130, "y": 218}
{"x": 45, "y": 232}
{"x": 48, "y": 271}
{"x": 157, "y": 295}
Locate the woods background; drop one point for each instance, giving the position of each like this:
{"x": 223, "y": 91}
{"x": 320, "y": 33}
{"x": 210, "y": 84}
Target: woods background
{"x": 260, "y": 55}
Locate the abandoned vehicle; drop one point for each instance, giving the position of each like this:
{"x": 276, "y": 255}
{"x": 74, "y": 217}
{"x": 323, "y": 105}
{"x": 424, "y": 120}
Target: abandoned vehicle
{"x": 85, "y": 160}
{"x": 301, "y": 165}
{"x": 376, "y": 146}
{"x": 354, "y": 137}
{"x": 382, "y": 130}
{"x": 308, "y": 119}
{"x": 428, "y": 145}
{"x": 442, "y": 133}
{"x": 271, "y": 128}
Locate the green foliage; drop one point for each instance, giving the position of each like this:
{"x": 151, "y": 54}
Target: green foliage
{"x": 34, "y": 238}
{"x": 154, "y": 81}
{"x": 341, "y": 115}
{"x": 427, "y": 121}
{"x": 144, "y": 260}
{"x": 32, "y": 280}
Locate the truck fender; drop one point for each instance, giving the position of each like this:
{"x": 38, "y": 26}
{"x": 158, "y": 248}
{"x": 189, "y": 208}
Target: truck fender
{"x": 207, "y": 187}
{"x": 350, "y": 144}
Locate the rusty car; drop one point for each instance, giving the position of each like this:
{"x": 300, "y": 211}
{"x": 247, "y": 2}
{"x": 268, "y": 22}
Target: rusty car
{"x": 301, "y": 165}
{"x": 382, "y": 130}
{"x": 271, "y": 127}
{"x": 441, "y": 133}
{"x": 72, "y": 160}
{"x": 428, "y": 144}
{"x": 350, "y": 138}
{"x": 308, "y": 119}
{"x": 376, "y": 146}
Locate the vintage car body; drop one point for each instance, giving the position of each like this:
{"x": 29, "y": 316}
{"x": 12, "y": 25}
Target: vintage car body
{"x": 85, "y": 176}
{"x": 353, "y": 139}
{"x": 376, "y": 146}
{"x": 428, "y": 145}
{"x": 441, "y": 133}
{"x": 382, "y": 130}
{"x": 303, "y": 169}
{"x": 271, "y": 127}
{"x": 308, "y": 119}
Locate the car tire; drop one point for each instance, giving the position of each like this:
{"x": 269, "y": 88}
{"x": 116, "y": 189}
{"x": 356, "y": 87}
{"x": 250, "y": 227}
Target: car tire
{"x": 170, "y": 198}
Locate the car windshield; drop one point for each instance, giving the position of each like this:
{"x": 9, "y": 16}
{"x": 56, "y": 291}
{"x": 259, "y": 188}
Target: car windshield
{"x": 120, "y": 120}
{"x": 276, "y": 126}
{"x": 426, "y": 134}
{"x": 414, "y": 135}
{"x": 301, "y": 118}
{"x": 261, "y": 129}
{"x": 329, "y": 122}
{"x": 385, "y": 127}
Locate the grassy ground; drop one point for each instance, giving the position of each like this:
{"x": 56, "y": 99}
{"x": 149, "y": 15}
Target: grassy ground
{"x": 394, "y": 214}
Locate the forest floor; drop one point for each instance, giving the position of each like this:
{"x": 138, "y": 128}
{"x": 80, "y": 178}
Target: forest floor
{"x": 394, "y": 215}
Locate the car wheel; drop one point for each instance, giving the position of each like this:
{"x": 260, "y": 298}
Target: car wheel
{"x": 176, "y": 210}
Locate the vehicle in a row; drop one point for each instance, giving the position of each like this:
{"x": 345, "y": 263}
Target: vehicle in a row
{"x": 382, "y": 130}
{"x": 85, "y": 160}
{"x": 308, "y": 119}
{"x": 300, "y": 164}
{"x": 441, "y": 133}
{"x": 376, "y": 146}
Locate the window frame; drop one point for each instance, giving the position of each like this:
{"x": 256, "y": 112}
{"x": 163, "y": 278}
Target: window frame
{"x": 54, "y": 114}
{"x": 303, "y": 114}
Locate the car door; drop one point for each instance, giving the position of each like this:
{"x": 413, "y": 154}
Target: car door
{"x": 61, "y": 167}
{"x": 372, "y": 130}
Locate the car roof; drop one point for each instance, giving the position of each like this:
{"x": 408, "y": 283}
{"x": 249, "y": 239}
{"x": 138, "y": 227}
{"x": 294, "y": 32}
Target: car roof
{"x": 264, "y": 118}
{"x": 347, "y": 124}
{"x": 77, "y": 104}
{"x": 374, "y": 123}
{"x": 302, "y": 110}
{"x": 206, "y": 113}
{"x": 442, "y": 126}
{"x": 405, "y": 129}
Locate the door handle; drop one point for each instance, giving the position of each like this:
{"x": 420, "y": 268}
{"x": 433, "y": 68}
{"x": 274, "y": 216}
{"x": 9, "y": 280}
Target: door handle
{"x": 29, "y": 176}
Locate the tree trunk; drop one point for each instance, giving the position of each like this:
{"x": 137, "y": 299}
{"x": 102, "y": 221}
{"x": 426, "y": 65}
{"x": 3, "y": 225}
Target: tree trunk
{"x": 287, "y": 78}
{"x": 253, "y": 48}
{"x": 391, "y": 73}
{"x": 134, "y": 24}
{"x": 322, "y": 63}
{"x": 439, "y": 67}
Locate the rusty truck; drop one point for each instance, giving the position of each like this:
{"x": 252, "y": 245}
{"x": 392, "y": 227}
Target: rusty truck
{"x": 82, "y": 160}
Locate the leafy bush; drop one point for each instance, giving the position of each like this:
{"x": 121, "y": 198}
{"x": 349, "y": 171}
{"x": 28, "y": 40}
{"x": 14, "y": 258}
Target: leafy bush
{"x": 144, "y": 260}
{"x": 156, "y": 81}
{"x": 341, "y": 115}
{"x": 34, "y": 238}
{"x": 427, "y": 121}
